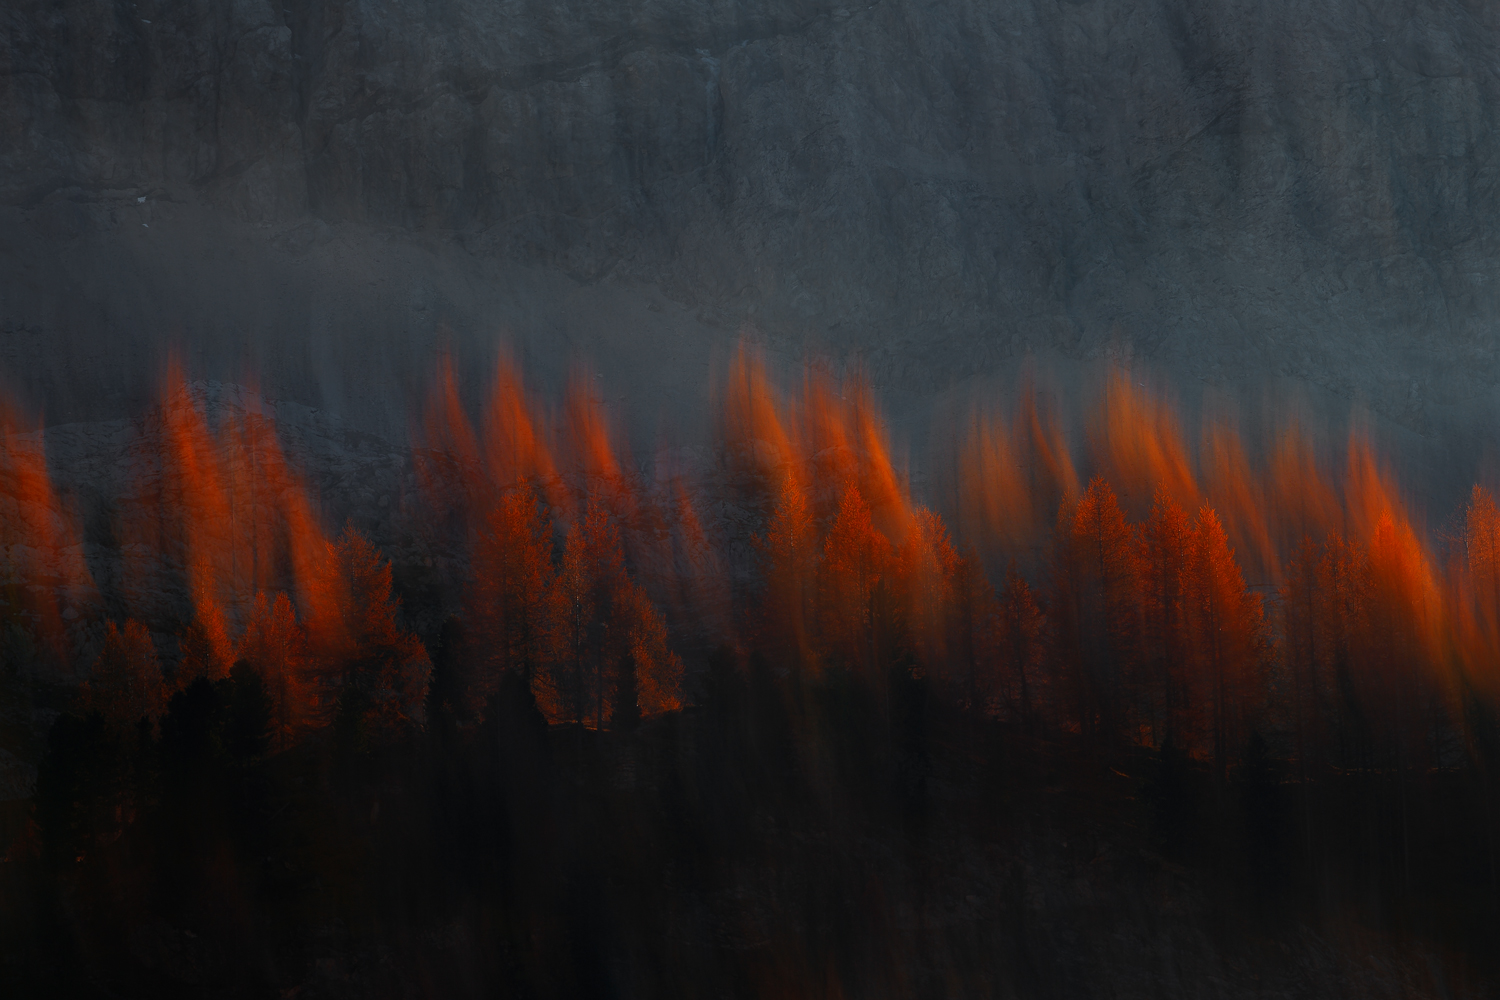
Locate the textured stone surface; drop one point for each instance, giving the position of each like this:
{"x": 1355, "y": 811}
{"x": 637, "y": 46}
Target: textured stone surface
{"x": 1229, "y": 190}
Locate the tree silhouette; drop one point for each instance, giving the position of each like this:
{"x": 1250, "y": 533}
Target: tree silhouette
{"x": 366, "y": 658}
{"x": 655, "y": 671}
{"x": 1482, "y": 549}
{"x": 511, "y": 606}
{"x": 577, "y": 687}
{"x": 927, "y": 567}
{"x": 125, "y": 685}
{"x": 1228, "y": 632}
{"x": 1021, "y": 645}
{"x": 275, "y": 645}
{"x": 789, "y": 562}
{"x": 1102, "y": 583}
{"x": 1166, "y": 540}
{"x": 207, "y": 650}
{"x": 1343, "y": 582}
{"x": 857, "y": 564}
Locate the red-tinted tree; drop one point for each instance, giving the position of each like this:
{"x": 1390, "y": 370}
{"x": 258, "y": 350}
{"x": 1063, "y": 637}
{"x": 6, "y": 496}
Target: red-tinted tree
{"x": 854, "y": 587}
{"x": 1166, "y": 546}
{"x": 1021, "y": 647}
{"x": 578, "y": 685}
{"x": 125, "y": 684}
{"x": 375, "y": 668}
{"x": 1228, "y": 632}
{"x": 276, "y": 646}
{"x": 1098, "y": 581}
{"x": 511, "y": 603}
{"x": 789, "y": 557}
{"x": 207, "y": 650}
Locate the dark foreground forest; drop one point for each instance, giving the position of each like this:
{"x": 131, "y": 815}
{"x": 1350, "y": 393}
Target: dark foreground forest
{"x": 783, "y": 837}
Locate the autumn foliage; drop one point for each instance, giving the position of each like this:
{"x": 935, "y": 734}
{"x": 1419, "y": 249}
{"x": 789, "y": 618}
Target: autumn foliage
{"x": 1102, "y": 591}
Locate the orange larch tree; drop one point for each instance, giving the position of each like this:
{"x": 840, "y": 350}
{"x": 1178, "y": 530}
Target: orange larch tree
{"x": 854, "y": 587}
{"x": 789, "y": 562}
{"x": 927, "y": 567}
{"x": 577, "y": 687}
{"x": 511, "y": 601}
{"x": 1228, "y": 631}
{"x": 1104, "y": 589}
{"x": 207, "y": 650}
{"x": 125, "y": 684}
{"x": 1343, "y": 583}
{"x": 646, "y": 667}
{"x": 275, "y": 645}
{"x": 1166, "y": 545}
{"x": 1020, "y": 648}
{"x": 376, "y": 669}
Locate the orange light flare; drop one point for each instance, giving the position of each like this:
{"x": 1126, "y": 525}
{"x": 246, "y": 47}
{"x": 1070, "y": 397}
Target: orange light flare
{"x": 41, "y": 550}
{"x": 878, "y": 480}
{"x": 825, "y": 436}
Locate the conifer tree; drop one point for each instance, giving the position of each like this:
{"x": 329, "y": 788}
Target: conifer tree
{"x": 577, "y": 687}
{"x": 275, "y": 646}
{"x": 1165, "y": 557}
{"x": 1228, "y": 634}
{"x": 857, "y": 565}
{"x": 972, "y": 639}
{"x": 1021, "y": 646}
{"x": 510, "y": 606}
{"x": 1343, "y": 582}
{"x": 1482, "y": 550}
{"x": 1106, "y": 594}
{"x": 927, "y": 566}
{"x": 789, "y": 561}
{"x": 641, "y": 633}
{"x": 206, "y": 647}
{"x": 125, "y": 684}
{"x": 359, "y": 646}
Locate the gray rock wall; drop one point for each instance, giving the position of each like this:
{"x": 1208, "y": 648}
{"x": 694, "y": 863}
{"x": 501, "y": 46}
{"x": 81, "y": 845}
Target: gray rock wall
{"x": 1231, "y": 189}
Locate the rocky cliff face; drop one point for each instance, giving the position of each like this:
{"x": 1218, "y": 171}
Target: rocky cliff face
{"x": 1231, "y": 190}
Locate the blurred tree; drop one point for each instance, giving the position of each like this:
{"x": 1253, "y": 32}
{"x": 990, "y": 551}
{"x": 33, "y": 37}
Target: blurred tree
{"x": 1021, "y": 646}
{"x": 1228, "y": 630}
{"x": 579, "y": 685}
{"x": 275, "y": 646}
{"x": 125, "y": 685}
{"x": 206, "y": 647}
{"x": 511, "y": 606}
{"x": 788, "y": 561}
{"x": 1099, "y": 579}
{"x": 1165, "y": 558}
{"x": 376, "y": 669}
{"x": 247, "y": 724}
{"x": 926, "y": 571}
{"x": 855, "y": 581}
